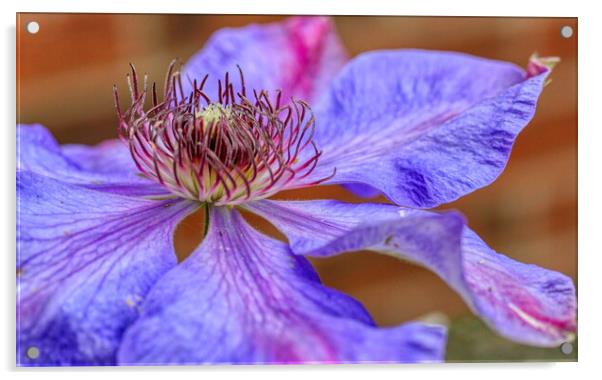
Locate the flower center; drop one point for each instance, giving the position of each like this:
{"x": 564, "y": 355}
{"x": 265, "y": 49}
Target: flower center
{"x": 225, "y": 151}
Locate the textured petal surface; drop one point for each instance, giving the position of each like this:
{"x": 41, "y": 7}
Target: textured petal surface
{"x": 243, "y": 297}
{"x": 107, "y": 166}
{"x": 298, "y": 56}
{"x": 85, "y": 260}
{"x": 423, "y": 127}
{"x": 522, "y": 302}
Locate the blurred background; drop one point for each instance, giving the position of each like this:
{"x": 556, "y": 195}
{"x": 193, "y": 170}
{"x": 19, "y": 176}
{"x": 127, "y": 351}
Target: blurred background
{"x": 65, "y": 74}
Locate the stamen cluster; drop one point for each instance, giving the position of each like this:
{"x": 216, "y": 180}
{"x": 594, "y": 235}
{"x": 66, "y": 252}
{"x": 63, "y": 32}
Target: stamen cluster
{"x": 224, "y": 151}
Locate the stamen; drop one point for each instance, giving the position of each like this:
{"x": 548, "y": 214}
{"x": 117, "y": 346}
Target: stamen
{"x": 227, "y": 151}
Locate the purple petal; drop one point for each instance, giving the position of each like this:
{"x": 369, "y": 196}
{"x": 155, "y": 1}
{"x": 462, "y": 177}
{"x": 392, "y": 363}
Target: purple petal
{"x": 298, "y": 56}
{"x": 522, "y": 302}
{"x": 106, "y": 167}
{"x": 425, "y": 128}
{"x": 243, "y": 297}
{"x": 85, "y": 260}
{"x": 362, "y": 190}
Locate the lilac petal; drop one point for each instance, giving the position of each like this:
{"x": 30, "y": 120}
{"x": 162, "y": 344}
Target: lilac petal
{"x": 110, "y": 157}
{"x": 85, "y": 260}
{"x": 298, "y": 56}
{"x": 243, "y": 297}
{"x": 362, "y": 190}
{"x": 106, "y": 167}
{"x": 522, "y": 302}
{"x": 425, "y": 128}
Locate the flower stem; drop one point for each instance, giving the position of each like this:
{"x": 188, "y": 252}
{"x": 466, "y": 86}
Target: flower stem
{"x": 206, "y": 219}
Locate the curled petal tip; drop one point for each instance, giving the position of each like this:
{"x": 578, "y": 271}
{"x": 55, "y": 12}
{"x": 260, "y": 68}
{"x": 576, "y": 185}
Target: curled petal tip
{"x": 538, "y": 65}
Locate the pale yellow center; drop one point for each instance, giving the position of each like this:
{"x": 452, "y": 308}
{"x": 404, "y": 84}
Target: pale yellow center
{"x": 214, "y": 112}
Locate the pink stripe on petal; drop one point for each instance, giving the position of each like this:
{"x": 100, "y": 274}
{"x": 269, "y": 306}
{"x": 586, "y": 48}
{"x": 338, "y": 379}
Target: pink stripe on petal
{"x": 245, "y": 298}
{"x": 298, "y": 56}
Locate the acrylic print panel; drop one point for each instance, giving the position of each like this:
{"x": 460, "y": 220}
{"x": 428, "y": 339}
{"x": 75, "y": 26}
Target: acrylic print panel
{"x": 295, "y": 189}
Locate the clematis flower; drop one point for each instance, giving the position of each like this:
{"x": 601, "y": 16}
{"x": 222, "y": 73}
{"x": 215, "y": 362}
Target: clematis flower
{"x": 258, "y": 110}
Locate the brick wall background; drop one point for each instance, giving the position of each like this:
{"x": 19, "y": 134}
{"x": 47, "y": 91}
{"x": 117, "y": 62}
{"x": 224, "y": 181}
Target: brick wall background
{"x": 66, "y": 72}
